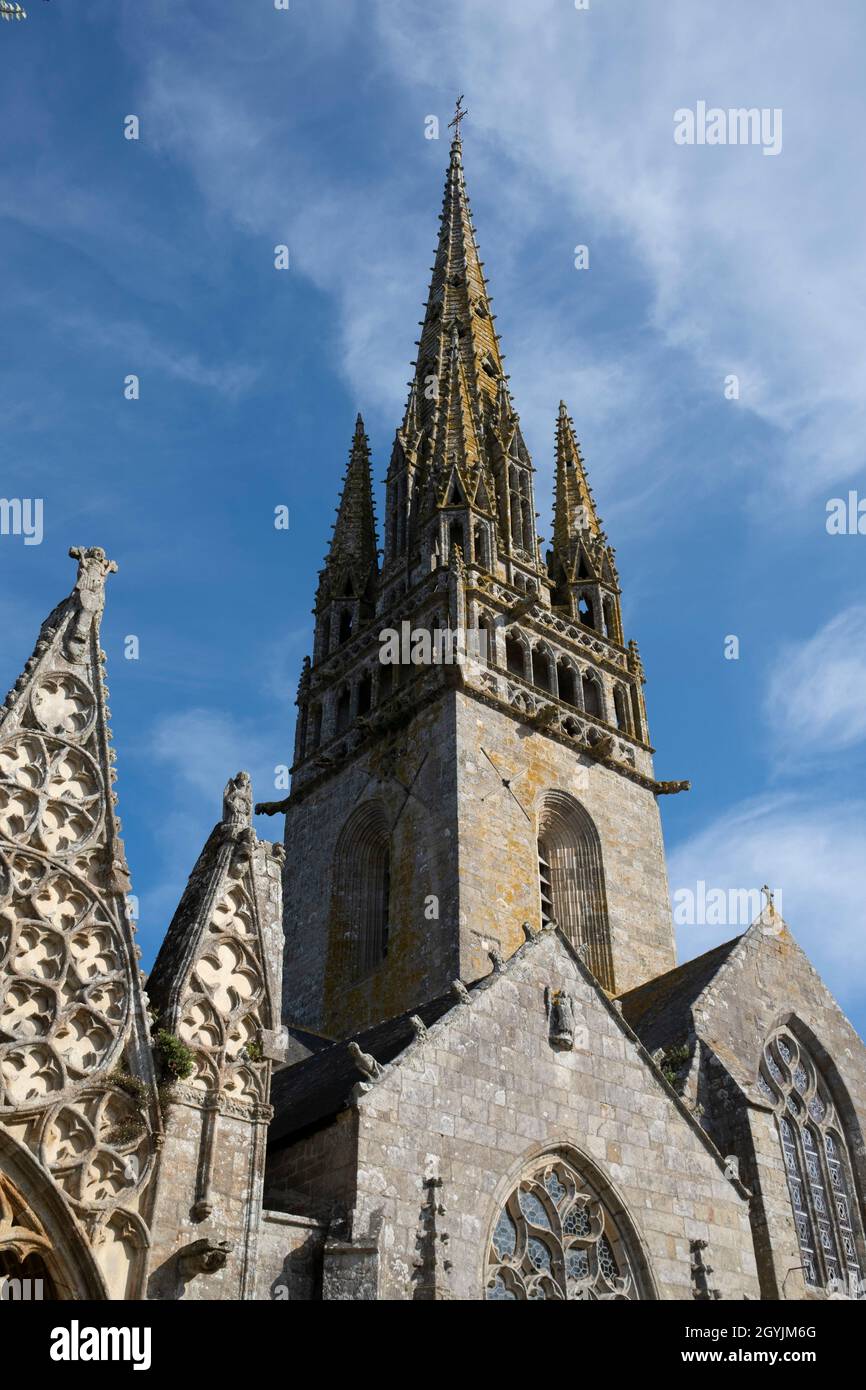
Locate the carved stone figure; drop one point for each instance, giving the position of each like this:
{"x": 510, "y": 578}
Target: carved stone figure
{"x": 238, "y": 800}
{"x": 561, "y": 1020}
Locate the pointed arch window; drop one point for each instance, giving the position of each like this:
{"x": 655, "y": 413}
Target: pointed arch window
{"x": 585, "y": 610}
{"x": 817, "y": 1164}
{"x": 365, "y": 692}
{"x": 592, "y": 702}
{"x": 541, "y": 669}
{"x": 346, "y": 625}
{"x": 568, "y": 685}
{"x": 343, "y": 710}
{"x": 481, "y": 544}
{"x": 315, "y": 728}
{"x": 620, "y": 702}
{"x": 515, "y": 655}
{"x": 514, "y": 507}
{"x": 555, "y": 1238}
{"x": 362, "y": 890}
{"x": 571, "y": 881}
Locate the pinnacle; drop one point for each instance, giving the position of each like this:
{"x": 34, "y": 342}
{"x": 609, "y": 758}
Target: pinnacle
{"x": 458, "y": 320}
{"x": 575, "y": 513}
{"x": 354, "y": 545}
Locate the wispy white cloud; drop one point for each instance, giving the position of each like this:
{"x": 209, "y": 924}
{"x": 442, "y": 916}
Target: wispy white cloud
{"x": 139, "y": 349}
{"x": 197, "y": 751}
{"x": 816, "y": 859}
{"x": 750, "y": 260}
{"x": 745, "y": 263}
{"x": 202, "y": 748}
{"x": 815, "y": 697}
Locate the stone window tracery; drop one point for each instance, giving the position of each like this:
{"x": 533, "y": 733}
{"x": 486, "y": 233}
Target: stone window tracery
{"x": 555, "y": 1239}
{"x": 571, "y": 880}
{"x": 363, "y": 890}
{"x": 817, "y": 1165}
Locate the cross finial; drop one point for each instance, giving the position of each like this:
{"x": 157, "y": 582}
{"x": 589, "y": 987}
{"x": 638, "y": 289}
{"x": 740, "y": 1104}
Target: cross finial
{"x": 769, "y": 895}
{"x": 459, "y": 114}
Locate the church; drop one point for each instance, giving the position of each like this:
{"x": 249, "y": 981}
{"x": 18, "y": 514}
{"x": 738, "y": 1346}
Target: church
{"x": 435, "y": 1042}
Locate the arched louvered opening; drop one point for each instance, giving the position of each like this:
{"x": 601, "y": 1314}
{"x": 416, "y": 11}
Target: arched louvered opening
{"x": 346, "y": 625}
{"x": 514, "y": 506}
{"x": 568, "y": 685}
{"x": 362, "y": 889}
{"x": 481, "y": 542}
{"x": 456, "y": 539}
{"x": 314, "y": 737}
{"x": 365, "y": 693}
{"x": 592, "y": 697}
{"x": 343, "y": 711}
{"x": 586, "y": 610}
{"x": 611, "y": 625}
{"x": 400, "y": 544}
{"x": 486, "y": 640}
{"x": 385, "y": 683}
{"x": 515, "y": 656}
{"x": 637, "y": 722}
{"x": 541, "y": 670}
{"x": 571, "y": 880}
{"x": 621, "y": 707}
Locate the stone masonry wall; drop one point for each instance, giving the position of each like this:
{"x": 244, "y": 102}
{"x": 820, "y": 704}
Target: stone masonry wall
{"x": 233, "y": 1192}
{"x": 422, "y": 951}
{"x": 320, "y": 1167}
{"x": 289, "y": 1258}
{"x": 498, "y": 844}
{"x": 485, "y": 1091}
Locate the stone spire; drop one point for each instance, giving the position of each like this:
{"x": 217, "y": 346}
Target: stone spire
{"x": 574, "y": 515}
{"x": 458, "y": 301}
{"x": 456, "y": 445}
{"x": 352, "y": 555}
{"x": 582, "y": 564}
{"x": 459, "y": 426}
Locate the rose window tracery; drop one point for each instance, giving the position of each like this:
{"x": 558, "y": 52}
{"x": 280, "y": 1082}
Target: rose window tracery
{"x": 817, "y": 1166}
{"x": 555, "y": 1239}
{"x": 220, "y": 1017}
{"x": 63, "y": 992}
{"x": 50, "y": 793}
{"x": 62, "y": 704}
{"x": 98, "y": 1151}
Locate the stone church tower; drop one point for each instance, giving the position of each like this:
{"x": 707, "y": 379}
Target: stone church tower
{"x": 439, "y": 1047}
{"x": 515, "y": 786}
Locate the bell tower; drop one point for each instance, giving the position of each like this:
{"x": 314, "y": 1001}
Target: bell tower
{"x": 441, "y": 808}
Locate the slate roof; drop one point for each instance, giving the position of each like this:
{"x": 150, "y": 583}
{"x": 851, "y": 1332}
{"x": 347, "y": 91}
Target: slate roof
{"x": 316, "y": 1089}
{"x": 660, "y": 1011}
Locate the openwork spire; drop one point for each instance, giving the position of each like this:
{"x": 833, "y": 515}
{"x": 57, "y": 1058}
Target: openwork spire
{"x": 458, "y": 303}
{"x": 574, "y": 517}
{"x": 352, "y": 556}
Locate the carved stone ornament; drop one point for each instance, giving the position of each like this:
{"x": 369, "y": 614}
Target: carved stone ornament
{"x": 561, "y": 1020}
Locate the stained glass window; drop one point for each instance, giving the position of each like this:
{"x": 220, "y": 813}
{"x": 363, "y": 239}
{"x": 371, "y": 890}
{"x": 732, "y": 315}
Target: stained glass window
{"x": 817, "y": 1166}
{"x": 556, "y": 1240}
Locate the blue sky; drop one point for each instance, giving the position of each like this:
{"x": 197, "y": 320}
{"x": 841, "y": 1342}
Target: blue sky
{"x": 307, "y": 127}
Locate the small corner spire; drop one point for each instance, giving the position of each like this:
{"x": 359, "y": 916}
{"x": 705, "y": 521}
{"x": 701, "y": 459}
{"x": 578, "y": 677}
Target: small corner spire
{"x": 574, "y": 506}
{"x": 354, "y": 546}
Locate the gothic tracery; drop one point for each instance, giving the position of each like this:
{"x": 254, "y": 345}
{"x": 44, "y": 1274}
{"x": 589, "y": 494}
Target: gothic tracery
{"x": 555, "y": 1239}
